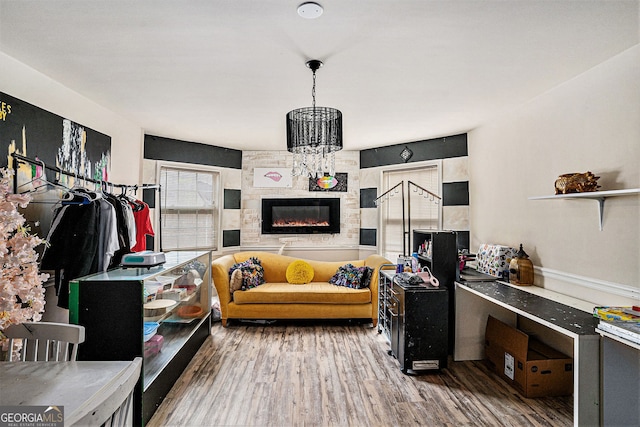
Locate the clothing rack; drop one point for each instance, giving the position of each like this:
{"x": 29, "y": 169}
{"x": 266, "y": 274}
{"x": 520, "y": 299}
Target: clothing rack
{"x": 20, "y": 158}
{"x": 423, "y": 192}
{"x": 35, "y": 162}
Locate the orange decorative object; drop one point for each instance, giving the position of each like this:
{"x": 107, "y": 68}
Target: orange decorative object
{"x": 190, "y": 311}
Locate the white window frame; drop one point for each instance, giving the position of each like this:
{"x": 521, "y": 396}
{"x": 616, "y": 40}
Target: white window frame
{"x": 218, "y": 201}
{"x": 383, "y": 187}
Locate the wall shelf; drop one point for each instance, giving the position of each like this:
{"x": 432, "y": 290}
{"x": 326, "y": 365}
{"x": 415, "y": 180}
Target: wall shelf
{"x": 599, "y": 196}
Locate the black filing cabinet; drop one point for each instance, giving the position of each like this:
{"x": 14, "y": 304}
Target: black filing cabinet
{"x": 419, "y": 324}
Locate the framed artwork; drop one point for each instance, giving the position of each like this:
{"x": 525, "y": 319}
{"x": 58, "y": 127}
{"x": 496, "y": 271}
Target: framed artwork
{"x": 329, "y": 183}
{"x": 272, "y": 178}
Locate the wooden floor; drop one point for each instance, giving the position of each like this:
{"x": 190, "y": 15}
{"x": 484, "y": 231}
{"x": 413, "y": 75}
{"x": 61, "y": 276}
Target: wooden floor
{"x": 337, "y": 374}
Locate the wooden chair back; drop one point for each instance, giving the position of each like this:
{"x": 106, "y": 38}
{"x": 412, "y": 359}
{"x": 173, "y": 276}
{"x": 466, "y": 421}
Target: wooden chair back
{"x": 114, "y": 405}
{"x": 45, "y": 341}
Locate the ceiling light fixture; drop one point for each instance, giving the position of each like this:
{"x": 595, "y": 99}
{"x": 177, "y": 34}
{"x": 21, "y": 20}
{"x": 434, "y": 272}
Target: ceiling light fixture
{"x": 310, "y": 10}
{"x": 314, "y": 134}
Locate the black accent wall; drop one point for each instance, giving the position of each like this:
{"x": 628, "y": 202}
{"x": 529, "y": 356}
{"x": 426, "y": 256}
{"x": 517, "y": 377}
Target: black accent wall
{"x": 429, "y": 149}
{"x": 174, "y": 150}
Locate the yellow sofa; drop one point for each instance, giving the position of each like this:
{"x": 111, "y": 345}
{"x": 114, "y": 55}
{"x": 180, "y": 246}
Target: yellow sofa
{"x": 277, "y": 299}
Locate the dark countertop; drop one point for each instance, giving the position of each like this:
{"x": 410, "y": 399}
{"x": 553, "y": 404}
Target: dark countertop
{"x": 571, "y": 319}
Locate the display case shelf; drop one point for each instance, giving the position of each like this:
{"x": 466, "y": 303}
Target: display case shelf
{"x": 111, "y": 307}
{"x": 598, "y": 196}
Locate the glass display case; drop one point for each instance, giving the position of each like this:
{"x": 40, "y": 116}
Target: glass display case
{"x": 159, "y": 313}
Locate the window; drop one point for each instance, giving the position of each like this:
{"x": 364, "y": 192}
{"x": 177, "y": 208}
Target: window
{"x": 425, "y": 213}
{"x": 190, "y": 218}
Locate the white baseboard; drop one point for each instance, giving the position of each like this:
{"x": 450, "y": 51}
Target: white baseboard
{"x": 588, "y": 282}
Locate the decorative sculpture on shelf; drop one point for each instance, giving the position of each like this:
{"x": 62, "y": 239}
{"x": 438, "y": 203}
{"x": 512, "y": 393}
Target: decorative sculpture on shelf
{"x": 576, "y": 183}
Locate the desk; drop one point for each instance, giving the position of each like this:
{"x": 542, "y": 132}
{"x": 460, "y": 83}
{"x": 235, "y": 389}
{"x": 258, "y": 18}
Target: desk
{"x": 80, "y": 387}
{"x": 507, "y": 302}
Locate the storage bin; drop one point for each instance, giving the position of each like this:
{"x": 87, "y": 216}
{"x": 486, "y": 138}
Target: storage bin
{"x": 150, "y": 329}
{"x": 153, "y": 346}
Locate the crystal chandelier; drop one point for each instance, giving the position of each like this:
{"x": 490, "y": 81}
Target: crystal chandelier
{"x": 314, "y": 134}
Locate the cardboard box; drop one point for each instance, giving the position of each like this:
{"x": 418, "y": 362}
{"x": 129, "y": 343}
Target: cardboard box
{"x": 531, "y": 367}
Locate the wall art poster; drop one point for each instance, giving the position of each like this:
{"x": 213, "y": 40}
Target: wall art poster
{"x": 272, "y": 178}
{"x": 329, "y": 183}
{"x": 36, "y": 133}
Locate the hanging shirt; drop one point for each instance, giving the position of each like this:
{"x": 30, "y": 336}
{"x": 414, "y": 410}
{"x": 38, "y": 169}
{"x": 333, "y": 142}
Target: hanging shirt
{"x": 131, "y": 222}
{"x": 73, "y": 246}
{"x": 143, "y": 227}
{"x": 121, "y": 229}
{"x": 108, "y": 239}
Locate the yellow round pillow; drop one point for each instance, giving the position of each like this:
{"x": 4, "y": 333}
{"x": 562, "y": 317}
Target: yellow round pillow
{"x": 299, "y": 272}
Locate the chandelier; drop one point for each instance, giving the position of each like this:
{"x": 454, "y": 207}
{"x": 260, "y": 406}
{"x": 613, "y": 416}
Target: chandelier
{"x": 314, "y": 134}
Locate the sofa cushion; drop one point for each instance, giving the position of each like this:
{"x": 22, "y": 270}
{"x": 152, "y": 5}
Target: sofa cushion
{"x": 235, "y": 281}
{"x": 352, "y": 277}
{"x": 299, "y": 272}
{"x": 252, "y": 273}
{"x": 314, "y": 292}
{"x": 275, "y": 266}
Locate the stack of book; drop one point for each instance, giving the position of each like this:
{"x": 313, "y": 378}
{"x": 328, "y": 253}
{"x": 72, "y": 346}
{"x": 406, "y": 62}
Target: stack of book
{"x": 623, "y": 322}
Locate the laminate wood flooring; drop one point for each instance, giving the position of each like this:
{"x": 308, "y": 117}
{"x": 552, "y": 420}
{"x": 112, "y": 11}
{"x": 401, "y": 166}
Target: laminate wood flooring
{"x": 337, "y": 374}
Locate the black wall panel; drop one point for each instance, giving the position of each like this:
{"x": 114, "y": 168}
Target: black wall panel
{"x": 368, "y": 236}
{"x": 174, "y": 150}
{"x": 230, "y": 238}
{"x": 455, "y": 193}
{"x": 430, "y": 149}
{"x": 149, "y": 197}
{"x": 367, "y": 197}
{"x": 232, "y": 199}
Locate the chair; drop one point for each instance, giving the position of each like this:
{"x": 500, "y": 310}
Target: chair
{"x": 113, "y": 406}
{"x": 45, "y": 341}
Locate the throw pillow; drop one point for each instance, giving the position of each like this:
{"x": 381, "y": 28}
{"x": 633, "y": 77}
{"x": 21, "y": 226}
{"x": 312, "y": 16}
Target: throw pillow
{"x": 352, "y": 277}
{"x": 252, "y": 273}
{"x": 299, "y": 272}
{"x": 235, "y": 282}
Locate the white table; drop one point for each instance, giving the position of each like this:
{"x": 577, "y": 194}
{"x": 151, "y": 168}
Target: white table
{"x": 620, "y": 380}
{"x": 80, "y": 387}
{"x": 475, "y": 301}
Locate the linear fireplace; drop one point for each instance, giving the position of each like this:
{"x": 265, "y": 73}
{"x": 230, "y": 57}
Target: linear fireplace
{"x": 301, "y": 216}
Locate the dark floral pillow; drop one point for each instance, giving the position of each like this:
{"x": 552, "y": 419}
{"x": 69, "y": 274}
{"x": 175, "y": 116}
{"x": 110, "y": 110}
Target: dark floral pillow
{"x": 352, "y": 277}
{"x": 252, "y": 273}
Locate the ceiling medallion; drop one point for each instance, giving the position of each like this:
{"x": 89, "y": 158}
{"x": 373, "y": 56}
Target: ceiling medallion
{"x": 310, "y": 10}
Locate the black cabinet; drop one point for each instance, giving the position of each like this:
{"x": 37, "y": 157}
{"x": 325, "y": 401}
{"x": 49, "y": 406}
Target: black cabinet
{"x": 440, "y": 255}
{"x": 418, "y": 323}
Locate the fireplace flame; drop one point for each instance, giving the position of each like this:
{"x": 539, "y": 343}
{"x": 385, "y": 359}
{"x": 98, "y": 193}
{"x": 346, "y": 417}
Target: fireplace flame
{"x": 299, "y": 223}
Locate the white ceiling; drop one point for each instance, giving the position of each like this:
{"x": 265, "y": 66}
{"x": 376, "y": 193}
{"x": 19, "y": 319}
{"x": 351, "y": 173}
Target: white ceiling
{"x": 226, "y": 72}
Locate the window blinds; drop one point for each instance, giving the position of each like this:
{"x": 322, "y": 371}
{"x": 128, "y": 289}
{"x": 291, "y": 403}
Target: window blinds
{"x": 189, "y": 213}
{"x": 425, "y": 214}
